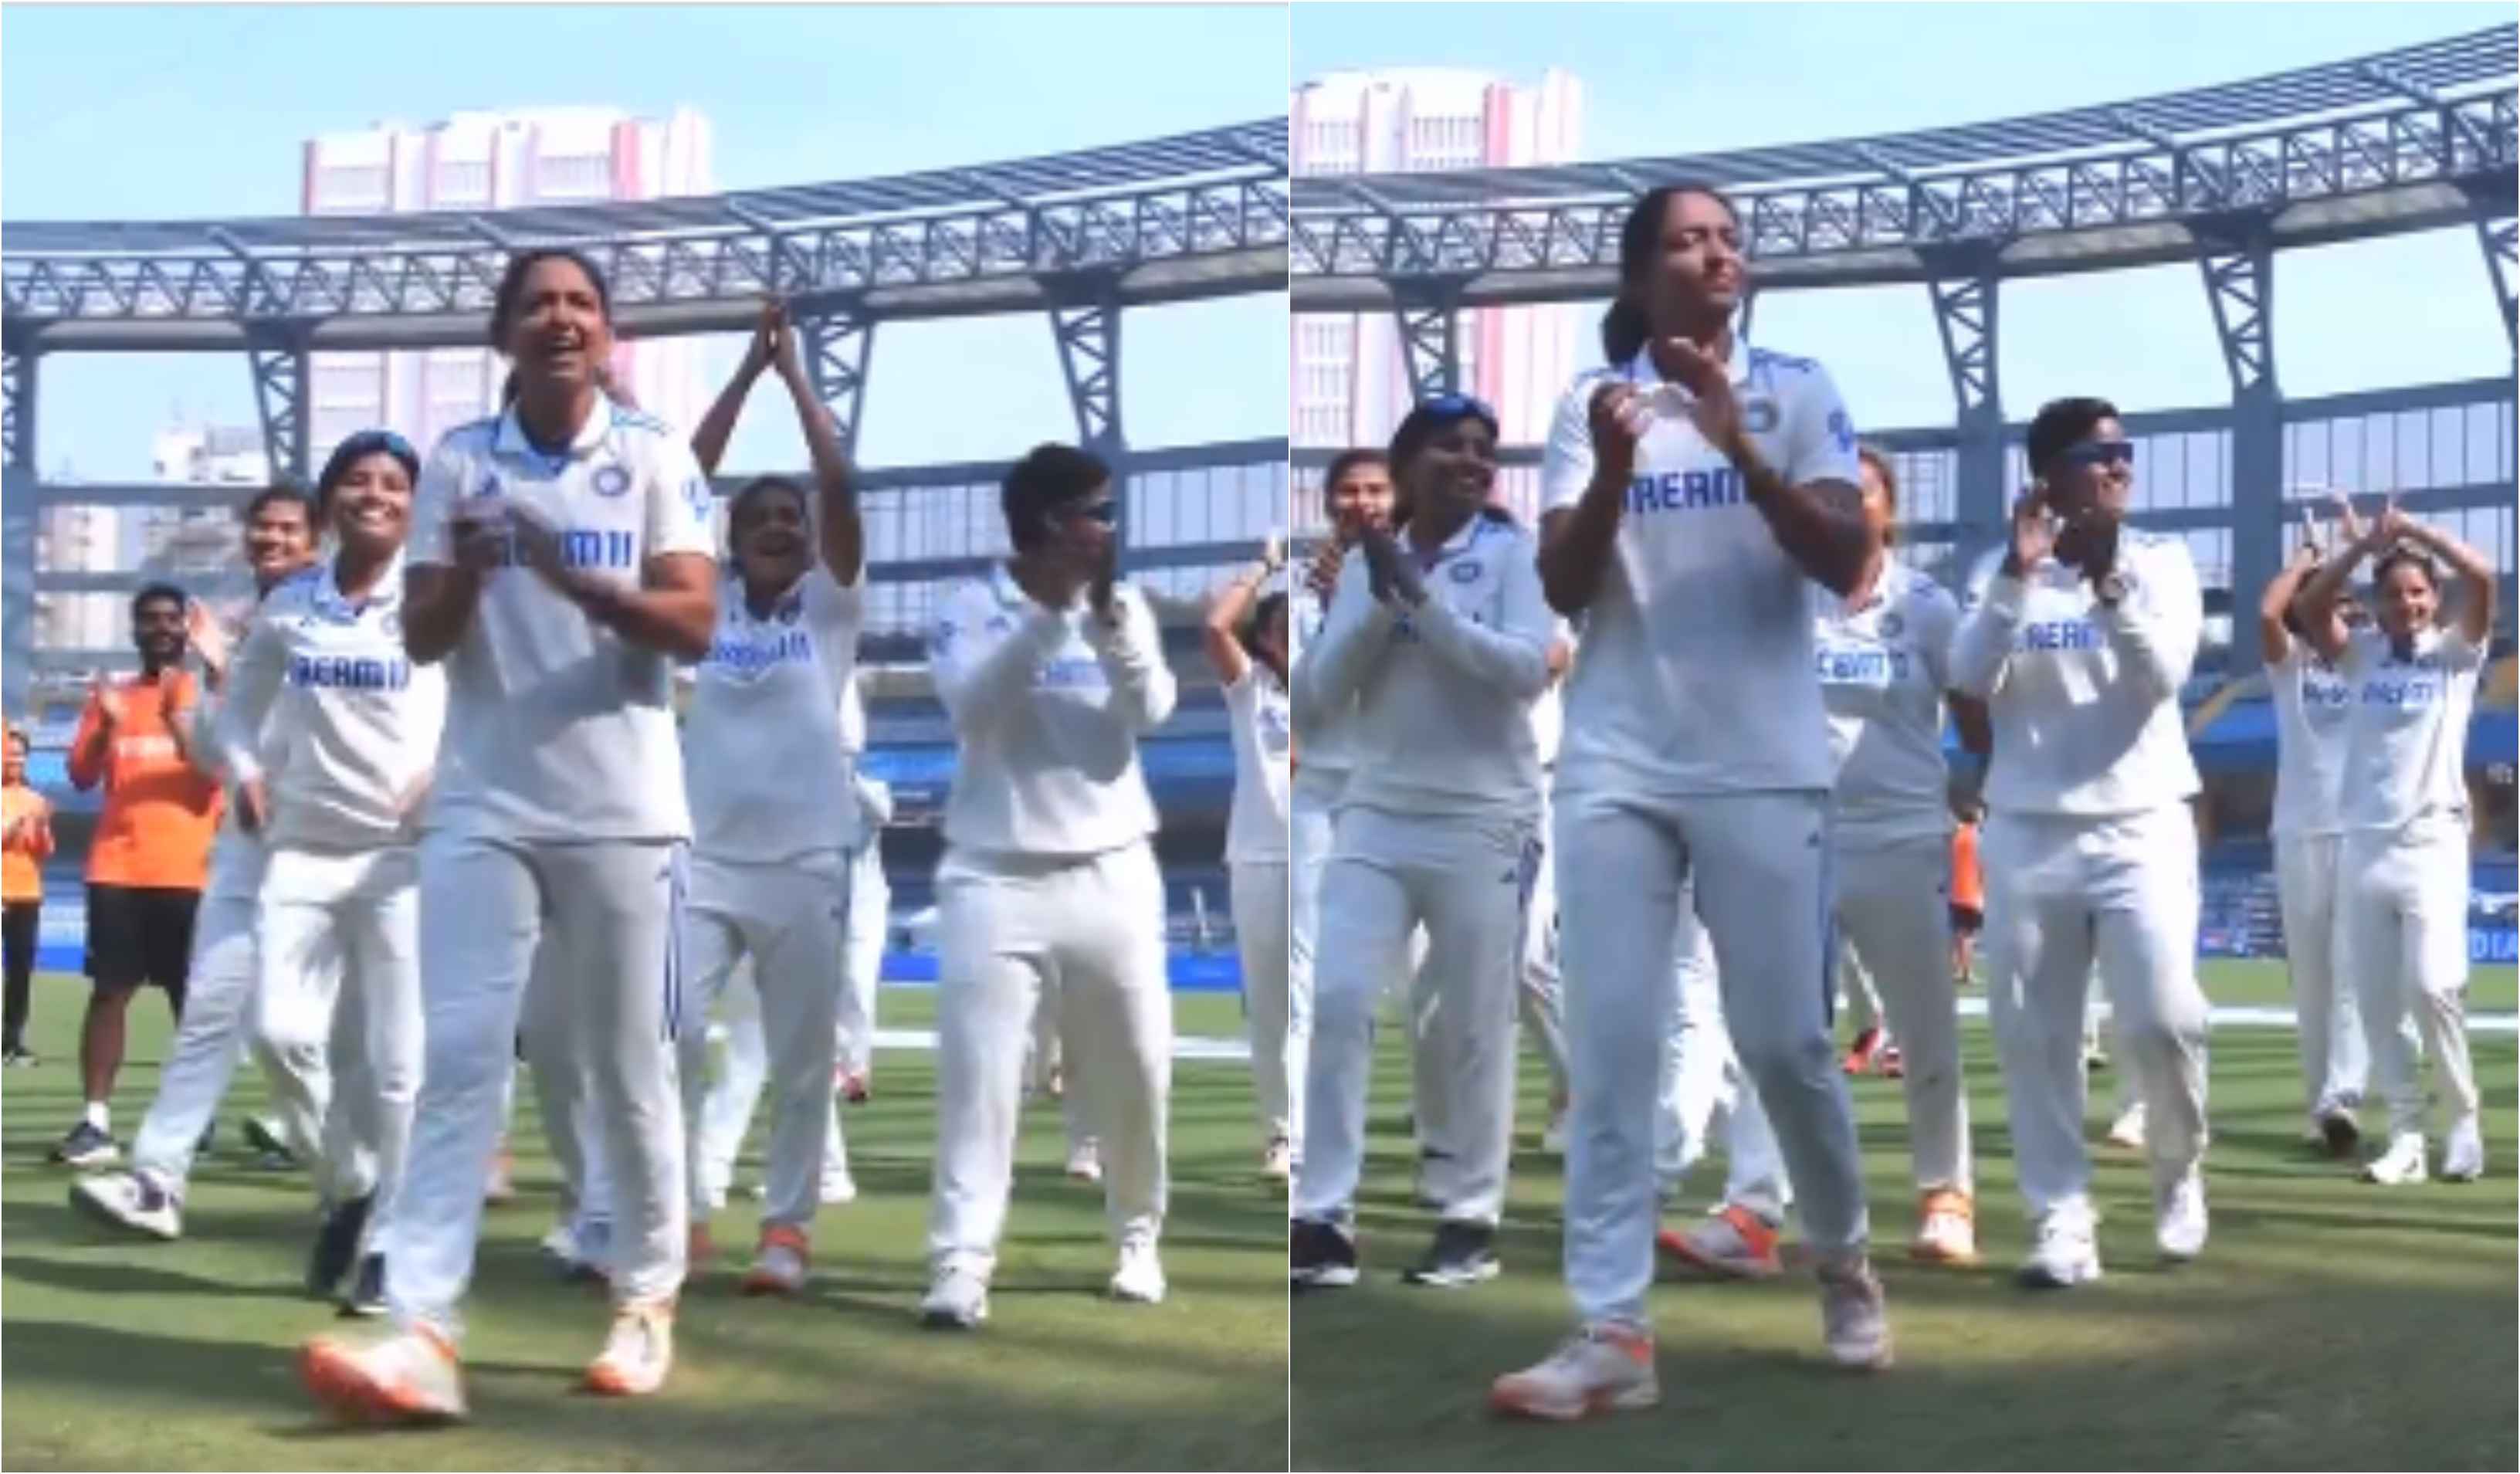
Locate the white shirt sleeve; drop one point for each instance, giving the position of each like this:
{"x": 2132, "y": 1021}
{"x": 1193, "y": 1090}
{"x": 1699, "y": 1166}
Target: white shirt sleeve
{"x": 1820, "y": 437}
{"x": 1132, "y": 655}
{"x": 679, "y": 503}
{"x": 1514, "y": 657}
{"x": 2459, "y": 652}
{"x": 1355, "y": 636}
{"x": 1983, "y": 643}
{"x": 1938, "y": 620}
{"x": 2157, "y": 626}
{"x": 433, "y": 505}
{"x": 1566, "y": 465}
{"x": 983, "y": 660}
{"x": 253, "y": 684}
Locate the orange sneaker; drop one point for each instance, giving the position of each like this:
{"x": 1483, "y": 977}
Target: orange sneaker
{"x": 1601, "y": 1368}
{"x": 408, "y": 1376}
{"x": 779, "y": 1264}
{"x": 638, "y": 1353}
{"x": 1860, "y": 1055}
{"x": 1735, "y": 1243}
{"x": 1946, "y": 1229}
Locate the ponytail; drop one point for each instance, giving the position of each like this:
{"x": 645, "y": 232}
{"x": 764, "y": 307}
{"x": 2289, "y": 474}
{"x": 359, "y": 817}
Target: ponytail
{"x": 1624, "y": 331}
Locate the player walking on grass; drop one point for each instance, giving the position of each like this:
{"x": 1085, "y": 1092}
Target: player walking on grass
{"x": 29, "y": 819}
{"x": 2079, "y": 636}
{"x": 772, "y": 807}
{"x": 1439, "y": 639}
{"x": 2402, "y": 873}
{"x": 559, "y": 562}
{"x": 1050, "y": 669}
{"x": 1695, "y": 488}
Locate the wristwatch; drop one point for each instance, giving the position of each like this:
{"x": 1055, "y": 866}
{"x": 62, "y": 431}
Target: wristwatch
{"x": 2114, "y": 586}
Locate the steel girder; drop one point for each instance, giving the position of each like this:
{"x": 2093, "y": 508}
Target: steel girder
{"x": 840, "y": 339}
{"x": 1963, "y": 285}
{"x": 2237, "y": 261}
{"x": 17, "y": 408}
{"x": 281, "y": 386}
{"x": 1429, "y": 315}
{"x": 2491, "y": 198}
{"x": 2148, "y": 178}
{"x": 1085, "y": 319}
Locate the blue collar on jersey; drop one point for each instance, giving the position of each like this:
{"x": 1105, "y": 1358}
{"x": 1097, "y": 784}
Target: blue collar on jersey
{"x": 1641, "y": 370}
{"x": 511, "y": 439}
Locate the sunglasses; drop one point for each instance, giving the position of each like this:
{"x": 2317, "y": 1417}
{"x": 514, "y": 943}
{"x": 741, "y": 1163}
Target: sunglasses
{"x": 2098, "y": 453}
{"x": 1106, "y": 511}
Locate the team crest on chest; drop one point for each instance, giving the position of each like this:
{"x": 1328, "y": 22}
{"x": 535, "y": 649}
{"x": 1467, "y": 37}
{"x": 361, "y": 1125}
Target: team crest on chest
{"x": 1466, "y": 571}
{"x": 1759, "y": 416}
{"x": 1892, "y": 624}
{"x": 612, "y": 481}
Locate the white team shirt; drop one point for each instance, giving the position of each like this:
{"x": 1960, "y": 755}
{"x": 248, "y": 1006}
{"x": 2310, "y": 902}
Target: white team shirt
{"x": 2313, "y": 707}
{"x": 1255, "y": 708}
{"x": 1883, "y": 669}
{"x": 1048, "y": 706}
{"x": 237, "y": 856}
{"x": 853, "y": 717}
{"x": 1328, "y": 734}
{"x": 768, "y": 765}
{"x": 2084, "y": 699}
{"x": 1694, "y": 673}
{"x": 2406, "y": 745}
{"x": 348, "y": 725}
{"x": 559, "y": 728}
{"x": 1443, "y": 693}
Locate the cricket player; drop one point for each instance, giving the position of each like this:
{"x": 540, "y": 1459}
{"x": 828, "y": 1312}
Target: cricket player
{"x": 2078, "y": 636}
{"x": 1695, "y": 486}
{"x": 1050, "y": 669}
{"x": 560, "y": 561}
{"x": 1251, "y": 666}
{"x": 2403, "y": 873}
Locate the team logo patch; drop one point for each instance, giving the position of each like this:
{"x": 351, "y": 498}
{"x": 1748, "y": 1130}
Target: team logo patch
{"x": 1891, "y": 625}
{"x": 612, "y": 481}
{"x": 489, "y": 488}
{"x": 1759, "y": 416}
{"x": 1466, "y": 571}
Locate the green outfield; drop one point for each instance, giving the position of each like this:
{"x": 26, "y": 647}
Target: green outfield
{"x": 2330, "y": 1324}
{"x": 138, "y": 1355}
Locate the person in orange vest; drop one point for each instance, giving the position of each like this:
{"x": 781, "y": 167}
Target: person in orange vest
{"x": 27, "y": 817}
{"x": 152, "y": 851}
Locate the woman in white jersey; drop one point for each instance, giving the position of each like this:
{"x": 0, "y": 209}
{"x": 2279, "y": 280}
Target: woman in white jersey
{"x": 1440, "y": 641}
{"x": 2080, "y": 633}
{"x": 1695, "y": 486}
{"x": 2314, "y": 704}
{"x": 2402, "y": 877}
{"x": 339, "y": 792}
{"x": 559, "y": 562}
{"x": 1050, "y": 669}
{"x": 1247, "y": 645}
{"x": 773, "y": 814}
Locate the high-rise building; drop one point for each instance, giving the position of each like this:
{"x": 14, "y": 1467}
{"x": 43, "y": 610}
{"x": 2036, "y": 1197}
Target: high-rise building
{"x": 1351, "y": 377}
{"x": 490, "y": 161}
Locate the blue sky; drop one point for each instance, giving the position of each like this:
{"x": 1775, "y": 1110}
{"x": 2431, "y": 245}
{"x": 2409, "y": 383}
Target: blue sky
{"x": 1686, "y": 79}
{"x": 180, "y": 110}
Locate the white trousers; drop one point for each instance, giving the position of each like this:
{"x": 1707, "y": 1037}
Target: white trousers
{"x": 1467, "y": 882}
{"x": 615, "y": 907}
{"x": 870, "y": 914}
{"x": 1095, "y": 930}
{"x": 1260, "y": 932}
{"x": 210, "y": 1038}
{"x": 362, "y": 907}
{"x": 1542, "y": 996}
{"x": 2403, "y": 898}
{"x": 2061, "y": 894}
{"x": 1703, "y": 1090}
{"x": 1310, "y": 830}
{"x": 734, "y": 1090}
{"x": 1894, "y": 910}
{"x": 790, "y": 920}
{"x": 2335, "y": 1056}
{"x": 563, "y": 1089}
{"x": 1759, "y": 863}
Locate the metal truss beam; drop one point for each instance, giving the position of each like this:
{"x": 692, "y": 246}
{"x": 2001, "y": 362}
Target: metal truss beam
{"x": 2495, "y": 200}
{"x": 1429, "y": 316}
{"x": 17, "y": 408}
{"x": 2237, "y": 261}
{"x": 839, "y": 341}
{"x": 1085, "y": 319}
{"x": 1962, "y": 282}
{"x": 281, "y": 386}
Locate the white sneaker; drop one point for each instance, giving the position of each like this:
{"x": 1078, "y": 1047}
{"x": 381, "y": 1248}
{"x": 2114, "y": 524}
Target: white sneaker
{"x": 1277, "y": 1161}
{"x": 778, "y": 1265}
{"x": 2401, "y": 1165}
{"x": 2064, "y": 1255}
{"x": 838, "y": 1187}
{"x": 2178, "y": 1217}
{"x": 957, "y": 1298}
{"x": 2126, "y": 1129}
{"x": 637, "y": 1353}
{"x": 1085, "y": 1163}
{"x": 132, "y": 1200}
{"x": 1855, "y": 1323}
{"x": 1553, "y": 1136}
{"x": 1601, "y": 1368}
{"x": 1139, "y": 1279}
{"x": 2463, "y": 1154}
{"x": 409, "y": 1376}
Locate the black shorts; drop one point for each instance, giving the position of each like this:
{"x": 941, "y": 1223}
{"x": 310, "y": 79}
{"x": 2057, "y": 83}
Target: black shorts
{"x": 140, "y": 934}
{"x": 1966, "y": 919}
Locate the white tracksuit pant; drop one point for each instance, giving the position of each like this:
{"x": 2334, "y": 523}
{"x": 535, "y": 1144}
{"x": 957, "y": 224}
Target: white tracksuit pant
{"x": 1310, "y": 830}
{"x": 1467, "y": 880}
{"x": 2403, "y": 898}
{"x": 1703, "y": 1090}
{"x": 1094, "y": 926}
{"x": 363, "y": 907}
{"x": 734, "y": 1090}
{"x": 1894, "y": 910}
{"x": 563, "y": 1089}
{"x": 1260, "y": 932}
{"x": 1542, "y": 996}
{"x": 2061, "y": 893}
{"x": 1045, "y": 1071}
{"x": 2335, "y": 1054}
{"x": 1760, "y": 871}
{"x": 615, "y": 908}
{"x": 870, "y": 914}
{"x": 790, "y": 919}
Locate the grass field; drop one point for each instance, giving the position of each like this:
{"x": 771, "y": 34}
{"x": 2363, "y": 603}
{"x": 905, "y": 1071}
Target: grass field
{"x": 2330, "y": 1324}
{"x": 132, "y": 1356}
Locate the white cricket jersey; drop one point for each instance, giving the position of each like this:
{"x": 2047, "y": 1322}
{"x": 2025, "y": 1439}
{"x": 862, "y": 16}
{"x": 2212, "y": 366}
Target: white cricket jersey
{"x": 237, "y": 856}
{"x": 2083, "y": 699}
{"x": 1324, "y": 736}
{"x": 853, "y": 717}
{"x": 1695, "y": 674}
{"x": 2313, "y": 707}
{"x": 2406, "y": 746}
{"x": 1443, "y": 692}
{"x": 349, "y": 725}
{"x": 768, "y": 768}
{"x": 1048, "y": 706}
{"x": 1255, "y": 707}
{"x": 1548, "y": 724}
{"x": 1883, "y": 669}
{"x": 558, "y": 726}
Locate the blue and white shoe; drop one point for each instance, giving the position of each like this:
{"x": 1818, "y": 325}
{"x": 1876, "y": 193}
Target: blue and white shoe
{"x": 130, "y": 1200}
